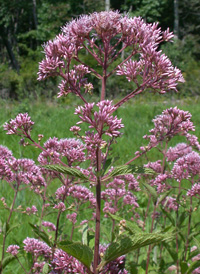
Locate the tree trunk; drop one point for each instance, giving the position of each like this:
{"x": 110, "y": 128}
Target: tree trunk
{"x": 8, "y": 46}
{"x": 107, "y": 5}
{"x": 35, "y": 14}
{"x": 176, "y": 19}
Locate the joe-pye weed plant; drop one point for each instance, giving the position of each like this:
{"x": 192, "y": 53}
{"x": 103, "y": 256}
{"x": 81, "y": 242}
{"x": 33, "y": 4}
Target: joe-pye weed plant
{"x": 150, "y": 205}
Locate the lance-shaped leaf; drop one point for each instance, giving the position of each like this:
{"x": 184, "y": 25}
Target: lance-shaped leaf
{"x": 127, "y": 244}
{"x": 128, "y": 169}
{"x": 8, "y": 259}
{"x": 79, "y": 251}
{"x": 67, "y": 170}
{"x": 131, "y": 227}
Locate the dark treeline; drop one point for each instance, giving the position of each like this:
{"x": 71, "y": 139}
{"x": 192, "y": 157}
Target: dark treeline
{"x": 26, "y": 25}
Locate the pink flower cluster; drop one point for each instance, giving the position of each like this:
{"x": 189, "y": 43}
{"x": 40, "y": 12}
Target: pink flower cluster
{"x": 65, "y": 264}
{"x": 72, "y": 217}
{"x": 82, "y": 193}
{"x": 71, "y": 148}
{"x": 160, "y": 182}
{"x": 50, "y": 225}
{"x": 195, "y": 190}
{"x": 156, "y": 166}
{"x": 187, "y": 166}
{"x": 171, "y": 122}
{"x": 114, "y": 192}
{"x": 193, "y": 141}
{"x": 32, "y": 210}
{"x": 60, "y": 206}
{"x": 20, "y": 170}
{"x": 195, "y": 258}
{"x": 178, "y": 151}
{"x": 101, "y": 120}
{"x": 21, "y": 125}
{"x": 37, "y": 247}
{"x": 153, "y": 67}
{"x": 13, "y": 249}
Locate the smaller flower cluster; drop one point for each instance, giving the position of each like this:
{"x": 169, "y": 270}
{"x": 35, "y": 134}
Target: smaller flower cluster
{"x": 195, "y": 190}
{"x": 37, "y": 247}
{"x": 171, "y": 122}
{"x": 20, "y": 170}
{"x": 13, "y": 249}
{"x": 50, "y": 225}
{"x": 63, "y": 263}
{"x": 114, "y": 193}
{"x": 82, "y": 194}
{"x": 187, "y": 166}
{"x": 178, "y": 151}
{"x": 101, "y": 120}
{"x": 21, "y": 125}
{"x": 72, "y": 217}
{"x": 71, "y": 148}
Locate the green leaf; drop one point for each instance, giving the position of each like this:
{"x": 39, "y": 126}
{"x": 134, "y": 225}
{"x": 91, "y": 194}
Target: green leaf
{"x": 45, "y": 269}
{"x": 85, "y": 234}
{"x": 131, "y": 227}
{"x": 43, "y": 235}
{"x": 7, "y": 260}
{"x": 128, "y": 244}
{"x": 128, "y": 169}
{"x": 184, "y": 267}
{"x": 193, "y": 266}
{"x": 79, "y": 251}
{"x": 67, "y": 170}
{"x": 107, "y": 165}
{"x": 151, "y": 191}
{"x": 91, "y": 240}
